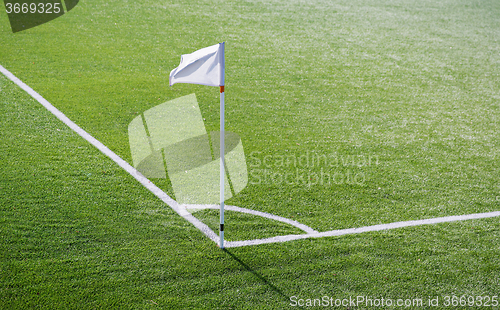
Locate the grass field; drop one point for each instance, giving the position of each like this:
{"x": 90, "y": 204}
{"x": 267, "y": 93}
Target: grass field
{"x": 401, "y": 96}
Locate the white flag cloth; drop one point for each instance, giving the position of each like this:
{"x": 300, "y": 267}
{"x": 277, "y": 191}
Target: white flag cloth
{"x": 205, "y": 67}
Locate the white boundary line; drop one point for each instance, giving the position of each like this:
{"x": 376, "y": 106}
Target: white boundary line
{"x": 181, "y": 210}
{"x": 359, "y": 230}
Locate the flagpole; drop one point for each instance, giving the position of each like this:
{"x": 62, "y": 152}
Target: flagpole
{"x": 222, "y": 66}
{"x": 222, "y": 171}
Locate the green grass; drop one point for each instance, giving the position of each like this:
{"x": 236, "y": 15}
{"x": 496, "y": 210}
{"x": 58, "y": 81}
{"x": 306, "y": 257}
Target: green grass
{"x": 413, "y": 85}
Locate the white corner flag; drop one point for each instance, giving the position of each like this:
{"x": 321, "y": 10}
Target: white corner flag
{"x": 206, "y": 67}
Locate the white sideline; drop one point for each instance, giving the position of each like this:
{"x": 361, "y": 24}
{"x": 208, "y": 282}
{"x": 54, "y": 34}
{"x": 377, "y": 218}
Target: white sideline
{"x": 181, "y": 210}
{"x": 359, "y": 230}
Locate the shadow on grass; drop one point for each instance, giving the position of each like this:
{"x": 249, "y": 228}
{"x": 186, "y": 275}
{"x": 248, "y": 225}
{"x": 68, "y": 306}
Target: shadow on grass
{"x": 255, "y": 273}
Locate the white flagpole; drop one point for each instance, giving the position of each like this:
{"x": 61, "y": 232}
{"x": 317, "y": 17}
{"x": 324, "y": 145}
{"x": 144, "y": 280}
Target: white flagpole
{"x": 222, "y": 168}
{"x": 222, "y": 171}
